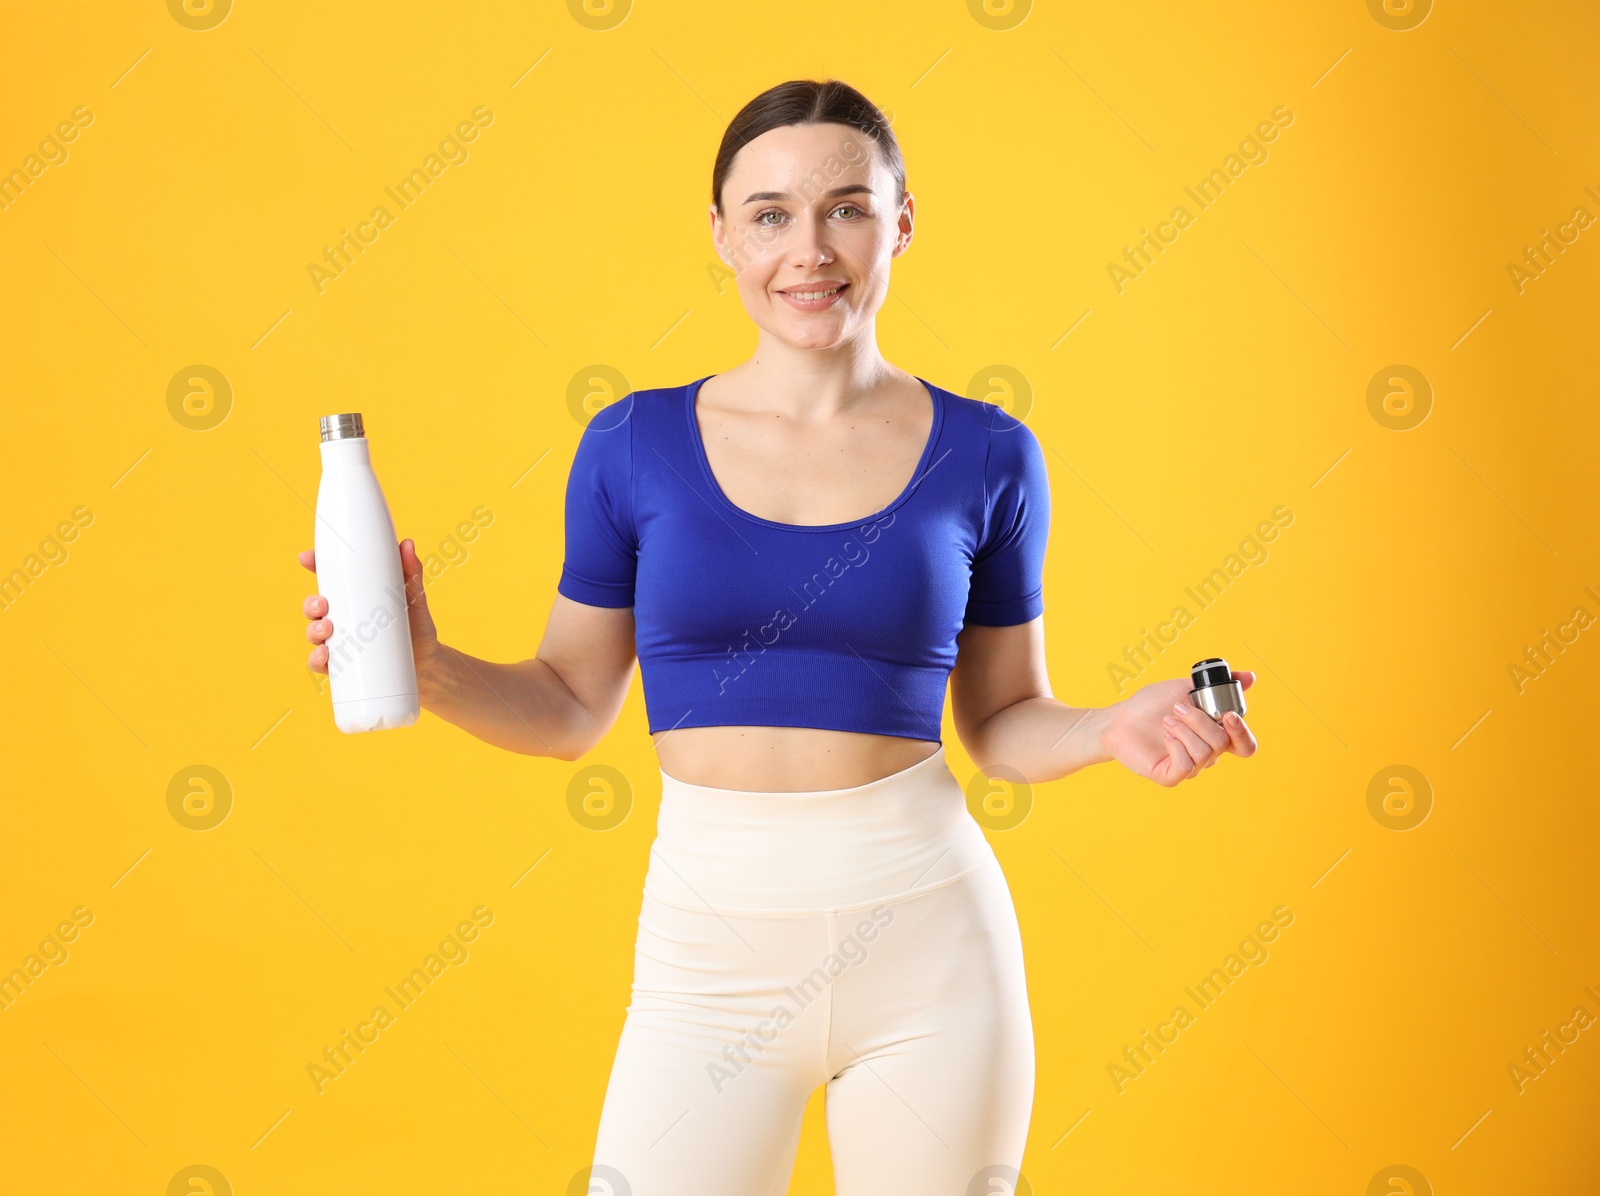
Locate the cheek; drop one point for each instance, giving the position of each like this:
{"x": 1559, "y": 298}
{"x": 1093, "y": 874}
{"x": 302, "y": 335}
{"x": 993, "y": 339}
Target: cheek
{"x": 761, "y": 268}
{"x": 753, "y": 246}
{"x": 754, "y": 281}
{"x": 879, "y": 240}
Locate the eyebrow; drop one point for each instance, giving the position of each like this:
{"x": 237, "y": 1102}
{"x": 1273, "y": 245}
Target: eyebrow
{"x": 853, "y": 189}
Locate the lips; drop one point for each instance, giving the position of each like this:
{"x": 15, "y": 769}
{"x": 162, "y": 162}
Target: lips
{"x": 822, "y": 286}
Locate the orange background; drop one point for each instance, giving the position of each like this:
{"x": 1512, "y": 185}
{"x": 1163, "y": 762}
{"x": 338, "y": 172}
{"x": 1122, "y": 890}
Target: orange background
{"x": 1340, "y": 335}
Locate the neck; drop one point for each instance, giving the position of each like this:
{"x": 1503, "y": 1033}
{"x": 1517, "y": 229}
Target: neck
{"x": 817, "y": 383}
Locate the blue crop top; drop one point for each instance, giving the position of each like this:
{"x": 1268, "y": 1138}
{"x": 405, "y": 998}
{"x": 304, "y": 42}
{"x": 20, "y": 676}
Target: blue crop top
{"x": 741, "y": 621}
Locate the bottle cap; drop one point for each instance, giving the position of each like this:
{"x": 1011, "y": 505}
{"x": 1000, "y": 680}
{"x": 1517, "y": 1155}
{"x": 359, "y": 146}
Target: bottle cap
{"x": 342, "y": 427}
{"x": 1211, "y": 671}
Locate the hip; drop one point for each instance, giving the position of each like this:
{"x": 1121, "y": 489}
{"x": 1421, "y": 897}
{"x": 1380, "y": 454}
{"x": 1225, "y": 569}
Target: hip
{"x": 763, "y": 851}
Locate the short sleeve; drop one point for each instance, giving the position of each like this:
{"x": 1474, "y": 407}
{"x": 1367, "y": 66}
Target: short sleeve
{"x": 1008, "y": 564}
{"x": 602, "y": 545}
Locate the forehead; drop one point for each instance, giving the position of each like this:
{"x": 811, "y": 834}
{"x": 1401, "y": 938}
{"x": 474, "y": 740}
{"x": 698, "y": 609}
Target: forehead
{"x": 821, "y": 155}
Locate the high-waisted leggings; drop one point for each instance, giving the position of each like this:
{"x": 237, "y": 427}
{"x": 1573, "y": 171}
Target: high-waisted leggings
{"x": 861, "y": 938}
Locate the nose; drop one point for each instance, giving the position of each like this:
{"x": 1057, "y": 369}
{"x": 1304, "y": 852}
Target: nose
{"x": 809, "y": 248}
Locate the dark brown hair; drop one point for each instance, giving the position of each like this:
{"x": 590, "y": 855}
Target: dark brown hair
{"x": 807, "y": 102}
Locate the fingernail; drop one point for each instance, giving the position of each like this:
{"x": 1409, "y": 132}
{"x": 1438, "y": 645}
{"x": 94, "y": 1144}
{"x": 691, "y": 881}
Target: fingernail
{"x": 1169, "y": 720}
{"x": 1177, "y": 707}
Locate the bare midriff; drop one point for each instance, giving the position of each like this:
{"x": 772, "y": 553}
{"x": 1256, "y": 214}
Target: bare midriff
{"x": 784, "y": 759}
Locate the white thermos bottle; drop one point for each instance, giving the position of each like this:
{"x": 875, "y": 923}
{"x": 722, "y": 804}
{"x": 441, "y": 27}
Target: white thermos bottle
{"x": 370, "y": 667}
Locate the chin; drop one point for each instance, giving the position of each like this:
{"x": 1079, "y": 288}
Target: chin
{"x": 815, "y": 338}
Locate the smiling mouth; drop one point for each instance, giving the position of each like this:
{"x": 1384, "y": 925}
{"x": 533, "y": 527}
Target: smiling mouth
{"x": 809, "y": 296}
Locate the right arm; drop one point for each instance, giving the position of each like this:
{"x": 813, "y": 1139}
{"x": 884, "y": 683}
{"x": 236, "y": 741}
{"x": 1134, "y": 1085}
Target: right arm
{"x": 559, "y": 703}
{"x": 562, "y": 701}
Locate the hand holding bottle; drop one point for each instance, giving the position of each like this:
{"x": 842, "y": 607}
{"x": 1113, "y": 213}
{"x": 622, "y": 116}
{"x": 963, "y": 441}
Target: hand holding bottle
{"x": 424, "y": 635}
{"x": 1159, "y": 734}
{"x": 371, "y": 667}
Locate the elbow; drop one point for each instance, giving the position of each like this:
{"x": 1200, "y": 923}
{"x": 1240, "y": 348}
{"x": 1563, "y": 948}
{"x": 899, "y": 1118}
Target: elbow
{"x": 576, "y": 735}
{"x": 567, "y": 743}
{"x": 570, "y": 752}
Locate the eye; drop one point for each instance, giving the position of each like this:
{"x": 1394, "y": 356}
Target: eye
{"x": 761, "y": 217}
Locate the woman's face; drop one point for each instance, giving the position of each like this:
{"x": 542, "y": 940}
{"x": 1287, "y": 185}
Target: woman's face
{"x": 811, "y": 208}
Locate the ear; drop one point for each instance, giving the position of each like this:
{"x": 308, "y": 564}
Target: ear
{"x": 905, "y": 222}
{"x": 719, "y": 238}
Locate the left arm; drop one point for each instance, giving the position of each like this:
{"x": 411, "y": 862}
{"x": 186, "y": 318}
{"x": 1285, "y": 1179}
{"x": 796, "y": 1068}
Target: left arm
{"x": 1006, "y": 717}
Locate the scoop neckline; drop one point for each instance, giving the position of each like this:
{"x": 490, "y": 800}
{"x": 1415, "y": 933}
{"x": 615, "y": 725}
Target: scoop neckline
{"x": 921, "y": 471}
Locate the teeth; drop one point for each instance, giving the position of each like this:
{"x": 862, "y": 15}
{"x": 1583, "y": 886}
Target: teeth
{"x": 813, "y": 294}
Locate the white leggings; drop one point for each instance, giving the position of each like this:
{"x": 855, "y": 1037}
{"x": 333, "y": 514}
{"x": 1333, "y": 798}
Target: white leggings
{"x": 862, "y": 938}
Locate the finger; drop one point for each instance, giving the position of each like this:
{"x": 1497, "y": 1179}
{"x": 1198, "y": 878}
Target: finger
{"x": 308, "y": 558}
{"x": 315, "y": 606}
{"x": 1203, "y": 725}
{"x": 411, "y": 568}
{"x": 1244, "y": 677}
{"x": 318, "y": 630}
{"x": 1199, "y": 751}
{"x": 1182, "y": 764}
{"x": 1240, "y": 739}
{"x": 319, "y": 659}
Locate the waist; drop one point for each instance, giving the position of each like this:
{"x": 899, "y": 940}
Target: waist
{"x": 749, "y": 757}
{"x": 736, "y": 849}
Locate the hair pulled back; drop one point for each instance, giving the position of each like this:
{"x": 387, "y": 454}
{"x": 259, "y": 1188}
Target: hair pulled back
{"x": 806, "y": 102}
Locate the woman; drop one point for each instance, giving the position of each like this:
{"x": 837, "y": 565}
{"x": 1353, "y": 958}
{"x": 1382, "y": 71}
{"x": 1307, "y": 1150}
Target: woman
{"x": 801, "y": 552}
